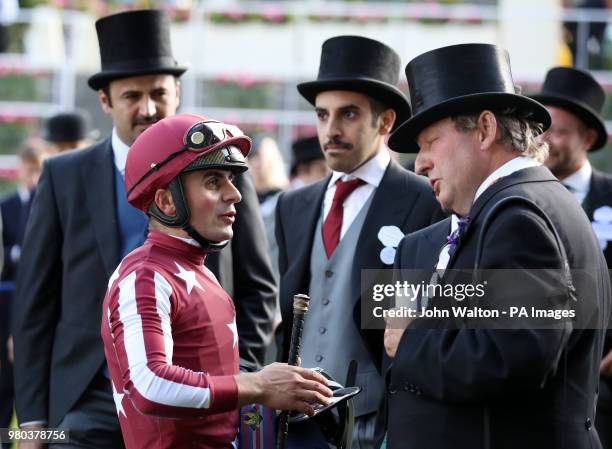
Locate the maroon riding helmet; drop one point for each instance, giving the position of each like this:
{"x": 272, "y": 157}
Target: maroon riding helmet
{"x": 175, "y": 145}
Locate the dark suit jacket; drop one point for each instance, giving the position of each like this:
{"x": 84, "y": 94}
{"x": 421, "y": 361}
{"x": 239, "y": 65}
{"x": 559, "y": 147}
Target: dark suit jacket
{"x": 14, "y": 219}
{"x": 402, "y": 199}
{"x": 70, "y": 250}
{"x": 600, "y": 194}
{"x": 462, "y": 388}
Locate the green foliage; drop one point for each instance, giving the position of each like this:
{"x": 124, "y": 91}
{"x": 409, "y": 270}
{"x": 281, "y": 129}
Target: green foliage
{"x": 7, "y": 186}
{"x": 24, "y": 87}
{"x": 252, "y": 96}
{"x": 12, "y": 136}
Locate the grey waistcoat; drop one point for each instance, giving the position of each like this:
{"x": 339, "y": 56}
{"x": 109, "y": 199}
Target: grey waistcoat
{"x": 331, "y": 338}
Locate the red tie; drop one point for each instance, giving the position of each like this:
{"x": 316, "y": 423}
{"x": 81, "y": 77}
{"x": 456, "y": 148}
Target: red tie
{"x": 333, "y": 221}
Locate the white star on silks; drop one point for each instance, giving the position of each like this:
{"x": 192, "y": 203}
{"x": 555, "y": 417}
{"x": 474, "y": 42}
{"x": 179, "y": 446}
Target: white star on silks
{"x": 234, "y": 330}
{"x": 118, "y": 398}
{"x": 189, "y": 277}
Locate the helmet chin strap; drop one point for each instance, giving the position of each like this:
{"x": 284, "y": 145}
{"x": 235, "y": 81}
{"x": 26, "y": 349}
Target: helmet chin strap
{"x": 182, "y": 217}
{"x": 208, "y": 246}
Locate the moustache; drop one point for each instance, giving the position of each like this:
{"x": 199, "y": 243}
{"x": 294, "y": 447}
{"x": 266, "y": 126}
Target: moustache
{"x": 145, "y": 120}
{"x": 337, "y": 144}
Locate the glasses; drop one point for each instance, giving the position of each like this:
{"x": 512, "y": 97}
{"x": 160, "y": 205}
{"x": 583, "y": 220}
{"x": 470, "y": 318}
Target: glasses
{"x": 198, "y": 138}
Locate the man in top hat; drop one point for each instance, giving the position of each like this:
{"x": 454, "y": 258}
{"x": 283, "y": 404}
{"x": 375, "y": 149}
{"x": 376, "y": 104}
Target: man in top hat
{"x": 68, "y": 131}
{"x": 308, "y": 164}
{"x": 80, "y": 227}
{"x": 454, "y": 386}
{"x": 575, "y": 100}
{"x": 351, "y": 220}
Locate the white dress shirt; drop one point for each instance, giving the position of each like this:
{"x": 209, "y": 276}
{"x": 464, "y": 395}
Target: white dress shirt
{"x": 371, "y": 173}
{"x": 24, "y": 194}
{"x": 579, "y": 182}
{"x": 120, "y": 152}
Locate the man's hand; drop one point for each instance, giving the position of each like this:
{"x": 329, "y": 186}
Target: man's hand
{"x": 283, "y": 387}
{"x": 32, "y": 444}
{"x": 392, "y": 339}
{"x": 394, "y": 330}
{"x": 605, "y": 368}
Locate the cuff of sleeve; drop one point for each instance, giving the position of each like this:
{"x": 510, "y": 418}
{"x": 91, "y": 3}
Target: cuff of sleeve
{"x": 224, "y": 392}
{"x": 33, "y": 423}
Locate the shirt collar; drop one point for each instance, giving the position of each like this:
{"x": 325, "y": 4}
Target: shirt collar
{"x": 120, "y": 152}
{"x": 371, "y": 172}
{"x": 580, "y": 180}
{"x": 186, "y": 240}
{"x": 513, "y": 165}
{"x": 24, "y": 194}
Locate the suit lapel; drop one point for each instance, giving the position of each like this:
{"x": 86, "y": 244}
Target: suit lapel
{"x": 532, "y": 174}
{"x": 594, "y": 195}
{"x": 305, "y": 219}
{"x": 300, "y": 223}
{"x": 99, "y": 173}
{"x": 392, "y": 202}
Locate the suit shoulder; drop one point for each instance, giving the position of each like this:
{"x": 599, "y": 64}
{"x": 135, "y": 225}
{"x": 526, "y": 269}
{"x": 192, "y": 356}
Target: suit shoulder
{"x": 291, "y": 196}
{"x": 409, "y": 181}
{"x": 9, "y": 200}
{"x": 603, "y": 180}
{"x": 74, "y": 158}
{"x": 432, "y": 232}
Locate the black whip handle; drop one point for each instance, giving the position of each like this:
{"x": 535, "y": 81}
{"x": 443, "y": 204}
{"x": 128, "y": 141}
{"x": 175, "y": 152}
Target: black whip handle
{"x": 300, "y": 308}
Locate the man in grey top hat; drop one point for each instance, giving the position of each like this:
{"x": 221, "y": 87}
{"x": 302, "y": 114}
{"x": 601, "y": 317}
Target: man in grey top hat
{"x": 329, "y": 231}
{"x": 510, "y": 383}
{"x": 80, "y": 227}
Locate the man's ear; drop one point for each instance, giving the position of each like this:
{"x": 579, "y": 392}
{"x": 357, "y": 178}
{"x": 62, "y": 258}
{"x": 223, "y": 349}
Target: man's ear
{"x": 386, "y": 121}
{"x": 164, "y": 202}
{"x": 487, "y": 129}
{"x": 178, "y": 93}
{"x": 105, "y": 102}
{"x": 590, "y": 137}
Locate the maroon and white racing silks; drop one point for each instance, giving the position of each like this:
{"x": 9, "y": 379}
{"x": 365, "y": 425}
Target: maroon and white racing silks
{"x": 171, "y": 345}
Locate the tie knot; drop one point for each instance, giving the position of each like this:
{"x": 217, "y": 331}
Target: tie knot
{"x": 455, "y": 237}
{"x": 344, "y": 189}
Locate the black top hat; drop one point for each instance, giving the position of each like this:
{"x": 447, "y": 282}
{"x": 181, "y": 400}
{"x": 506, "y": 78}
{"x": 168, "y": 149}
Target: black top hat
{"x": 456, "y": 80}
{"x": 363, "y": 65}
{"x": 579, "y": 93}
{"x": 306, "y": 150}
{"x": 67, "y": 127}
{"x": 134, "y": 43}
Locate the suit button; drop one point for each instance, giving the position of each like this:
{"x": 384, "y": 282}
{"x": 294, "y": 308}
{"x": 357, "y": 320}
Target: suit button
{"x": 322, "y": 330}
{"x": 588, "y": 424}
{"x": 329, "y": 273}
{"x": 325, "y": 301}
{"x": 318, "y": 358}
{"x": 392, "y": 389}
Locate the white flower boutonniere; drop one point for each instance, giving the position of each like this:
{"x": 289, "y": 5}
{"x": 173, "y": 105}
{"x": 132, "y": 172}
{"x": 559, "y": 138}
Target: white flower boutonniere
{"x": 389, "y": 236}
{"x": 602, "y": 225}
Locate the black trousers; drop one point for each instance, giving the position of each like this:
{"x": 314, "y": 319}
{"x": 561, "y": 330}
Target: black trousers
{"x": 93, "y": 423}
